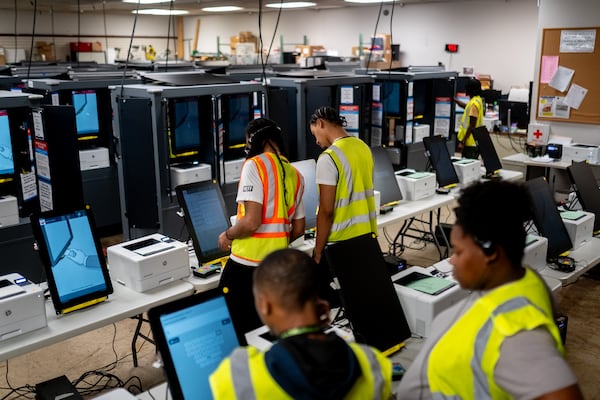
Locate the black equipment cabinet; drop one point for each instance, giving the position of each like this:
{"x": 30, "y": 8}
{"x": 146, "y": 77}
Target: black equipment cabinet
{"x": 407, "y": 103}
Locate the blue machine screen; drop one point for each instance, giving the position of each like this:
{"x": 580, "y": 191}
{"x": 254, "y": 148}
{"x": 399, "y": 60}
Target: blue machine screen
{"x": 199, "y": 338}
{"x": 239, "y": 116}
{"x": 75, "y": 262}
{"x": 208, "y": 218}
{"x": 187, "y": 126}
{"x": 6, "y": 155}
{"x": 86, "y": 112}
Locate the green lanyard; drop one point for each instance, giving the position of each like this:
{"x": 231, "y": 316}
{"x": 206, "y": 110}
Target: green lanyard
{"x": 300, "y": 331}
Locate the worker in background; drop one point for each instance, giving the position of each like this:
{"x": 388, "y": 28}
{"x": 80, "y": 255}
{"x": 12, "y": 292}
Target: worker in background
{"x": 502, "y": 340}
{"x": 305, "y": 362}
{"x": 270, "y": 215}
{"x": 344, "y": 177}
{"x": 472, "y": 118}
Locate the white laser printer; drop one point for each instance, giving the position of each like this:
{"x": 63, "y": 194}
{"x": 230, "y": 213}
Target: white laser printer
{"x": 415, "y": 185}
{"x": 94, "y": 158}
{"x": 420, "y": 307}
{"x": 145, "y": 263}
{"x": 536, "y": 250}
{"x": 189, "y": 173}
{"x": 22, "y": 307}
{"x": 581, "y": 152}
{"x": 580, "y": 226}
{"x": 468, "y": 170}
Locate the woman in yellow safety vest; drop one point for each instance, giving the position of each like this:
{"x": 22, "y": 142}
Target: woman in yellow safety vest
{"x": 344, "y": 177}
{"x": 501, "y": 341}
{"x": 472, "y": 118}
{"x": 270, "y": 215}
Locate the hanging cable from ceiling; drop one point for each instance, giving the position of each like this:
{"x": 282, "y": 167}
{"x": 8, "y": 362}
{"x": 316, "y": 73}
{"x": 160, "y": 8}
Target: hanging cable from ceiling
{"x": 169, "y": 34}
{"x": 273, "y": 37}
{"x": 53, "y": 36}
{"x": 32, "y": 38}
{"x": 373, "y": 37}
{"x": 15, "y": 49}
{"x": 135, "y": 17}
{"x": 105, "y": 30}
{"x": 391, "y": 40}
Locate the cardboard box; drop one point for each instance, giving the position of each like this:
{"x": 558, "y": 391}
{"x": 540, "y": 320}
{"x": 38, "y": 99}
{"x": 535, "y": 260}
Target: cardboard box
{"x": 308, "y": 51}
{"x": 97, "y": 46}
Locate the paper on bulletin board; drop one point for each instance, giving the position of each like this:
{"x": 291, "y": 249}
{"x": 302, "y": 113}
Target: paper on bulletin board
{"x": 548, "y": 68}
{"x": 441, "y": 126}
{"x": 562, "y": 78}
{"x": 575, "y": 96}
{"x": 577, "y": 41}
{"x": 553, "y": 107}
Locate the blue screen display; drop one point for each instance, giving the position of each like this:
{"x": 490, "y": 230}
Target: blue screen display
{"x": 86, "y": 112}
{"x": 6, "y": 154}
{"x": 239, "y": 116}
{"x": 186, "y": 126}
{"x": 199, "y": 338}
{"x": 73, "y": 255}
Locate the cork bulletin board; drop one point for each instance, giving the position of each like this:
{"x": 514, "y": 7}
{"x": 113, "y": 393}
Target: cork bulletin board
{"x": 569, "y": 80}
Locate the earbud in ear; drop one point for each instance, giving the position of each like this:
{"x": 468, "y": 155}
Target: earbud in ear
{"x": 487, "y": 246}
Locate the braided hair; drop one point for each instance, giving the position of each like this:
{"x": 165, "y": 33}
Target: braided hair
{"x": 263, "y": 131}
{"x": 329, "y": 114}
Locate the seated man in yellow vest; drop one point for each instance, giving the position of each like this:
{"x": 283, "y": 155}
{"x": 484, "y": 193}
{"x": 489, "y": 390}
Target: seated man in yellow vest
{"x": 305, "y": 362}
{"x": 501, "y": 341}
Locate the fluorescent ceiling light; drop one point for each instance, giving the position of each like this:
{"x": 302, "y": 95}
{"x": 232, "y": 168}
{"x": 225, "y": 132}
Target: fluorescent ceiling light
{"x": 146, "y": 1}
{"x": 159, "y": 11}
{"x": 292, "y": 4}
{"x": 369, "y": 1}
{"x": 222, "y": 8}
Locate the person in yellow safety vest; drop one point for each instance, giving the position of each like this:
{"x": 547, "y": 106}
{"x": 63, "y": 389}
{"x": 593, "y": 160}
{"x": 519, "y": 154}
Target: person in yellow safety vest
{"x": 472, "y": 118}
{"x": 502, "y": 341}
{"x": 270, "y": 215}
{"x": 305, "y": 362}
{"x": 344, "y": 177}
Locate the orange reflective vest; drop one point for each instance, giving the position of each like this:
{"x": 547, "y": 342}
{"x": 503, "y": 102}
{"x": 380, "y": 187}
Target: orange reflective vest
{"x": 278, "y": 207}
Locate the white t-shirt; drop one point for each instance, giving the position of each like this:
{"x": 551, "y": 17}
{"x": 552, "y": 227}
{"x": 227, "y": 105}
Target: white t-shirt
{"x": 529, "y": 364}
{"x": 250, "y": 189}
{"x": 326, "y": 173}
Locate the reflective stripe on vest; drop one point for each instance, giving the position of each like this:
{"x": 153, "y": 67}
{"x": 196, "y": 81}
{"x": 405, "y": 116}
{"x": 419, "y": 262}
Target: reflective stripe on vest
{"x": 464, "y": 122}
{"x": 240, "y": 374}
{"x": 248, "y": 363}
{"x": 354, "y": 212}
{"x": 462, "y": 362}
{"x": 274, "y": 231}
{"x": 378, "y": 383}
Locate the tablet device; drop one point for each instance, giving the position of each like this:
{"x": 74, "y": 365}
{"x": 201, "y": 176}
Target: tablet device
{"x": 205, "y": 217}
{"x": 431, "y": 285}
{"x": 72, "y": 258}
{"x": 439, "y": 157}
{"x": 193, "y": 336}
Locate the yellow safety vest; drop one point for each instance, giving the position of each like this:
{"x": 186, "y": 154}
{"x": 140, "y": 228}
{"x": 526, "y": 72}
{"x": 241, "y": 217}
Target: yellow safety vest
{"x": 354, "y": 213}
{"x": 462, "y": 363}
{"x": 244, "y": 375}
{"x": 274, "y": 231}
{"x": 476, "y": 101}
